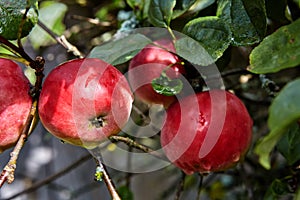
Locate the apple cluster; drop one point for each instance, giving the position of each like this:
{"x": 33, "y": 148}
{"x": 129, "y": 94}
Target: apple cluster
{"x": 84, "y": 101}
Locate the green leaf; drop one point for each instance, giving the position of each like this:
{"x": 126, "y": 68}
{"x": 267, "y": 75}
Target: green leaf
{"x": 11, "y": 15}
{"x": 181, "y": 7}
{"x": 276, "y": 189}
{"x": 277, "y": 51}
{"x": 51, "y": 14}
{"x": 125, "y": 193}
{"x": 192, "y": 51}
{"x": 283, "y": 112}
{"x": 120, "y": 51}
{"x": 297, "y": 2}
{"x": 211, "y": 32}
{"x": 160, "y": 12}
{"x": 140, "y": 7}
{"x": 166, "y": 86}
{"x": 247, "y": 20}
{"x": 289, "y": 145}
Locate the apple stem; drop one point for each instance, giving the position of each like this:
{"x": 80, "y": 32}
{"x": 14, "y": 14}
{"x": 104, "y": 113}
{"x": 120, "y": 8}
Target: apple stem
{"x": 132, "y": 143}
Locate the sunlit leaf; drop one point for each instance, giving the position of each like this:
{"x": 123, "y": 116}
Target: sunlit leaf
{"x": 278, "y": 51}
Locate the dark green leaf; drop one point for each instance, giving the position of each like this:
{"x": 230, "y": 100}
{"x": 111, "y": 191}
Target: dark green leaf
{"x": 289, "y": 145}
{"x": 276, "y": 189}
{"x": 120, "y": 51}
{"x": 192, "y": 51}
{"x": 125, "y": 193}
{"x": 51, "y": 14}
{"x": 11, "y": 14}
{"x": 166, "y": 86}
{"x": 160, "y": 12}
{"x": 297, "y": 2}
{"x": 140, "y": 7}
{"x": 247, "y": 20}
{"x": 283, "y": 112}
{"x": 181, "y": 7}
{"x": 276, "y": 11}
{"x": 278, "y": 51}
{"x": 212, "y": 33}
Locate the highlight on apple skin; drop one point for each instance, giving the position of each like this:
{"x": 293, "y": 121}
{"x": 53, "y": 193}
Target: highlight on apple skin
{"x": 15, "y": 102}
{"x": 185, "y": 129}
{"x": 84, "y": 101}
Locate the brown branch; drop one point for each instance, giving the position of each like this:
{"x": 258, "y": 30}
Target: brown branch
{"x": 61, "y": 40}
{"x": 180, "y": 187}
{"x": 53, "y": 177}
{"x": 108, "y": 181}
{"x": 7, "y": 174}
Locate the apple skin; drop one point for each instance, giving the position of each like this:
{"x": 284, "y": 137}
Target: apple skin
{"x": 15, "y": 102}
{"x": 148, "y": 65}
{"x": 190, "y": 129}
{"x": 84, "y": 101}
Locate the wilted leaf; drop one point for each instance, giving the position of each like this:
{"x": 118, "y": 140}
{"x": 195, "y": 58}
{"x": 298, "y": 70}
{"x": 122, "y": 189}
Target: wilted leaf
{"x": 278, "y": 51}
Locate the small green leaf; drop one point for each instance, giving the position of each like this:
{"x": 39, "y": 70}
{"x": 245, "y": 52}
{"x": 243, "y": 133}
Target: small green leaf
{"x": 120, "y": 51}
{"x": 211, "y": 32}
{"x": 160, "y": 12}
{"x": 289, "y": 144}
{"x": 277, "y": 51}
{"x": 181, "y": 7}
{"x": 51, "y": 14}
{"x": 125, "y": 193}
{"x": 166, "y": 86}
{"x": 247, "y": 20}
{"x": 11, "y": 14}
{"x": 283, "y": 112}
{"x": 192, "y": 51}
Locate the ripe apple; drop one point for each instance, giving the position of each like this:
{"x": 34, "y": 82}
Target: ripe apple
{"x": 148, "y": 64}
{"x": 212, "y": 137}
{"x": 84, "y": 101}
{"x": 15, "y": 102}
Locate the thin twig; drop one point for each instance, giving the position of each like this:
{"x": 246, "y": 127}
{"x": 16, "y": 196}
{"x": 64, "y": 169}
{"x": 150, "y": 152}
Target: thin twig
{"x": 136, "y": 145}
{"x": 53, "y": 177}
{"x": 108, "y": 181}
{"x": 180, "y": 187}
{"x": 200, "y": 185}
{"x": 61, "y": 40}
{"x": 7, "y": 174}
{"x": 91, "y": 20}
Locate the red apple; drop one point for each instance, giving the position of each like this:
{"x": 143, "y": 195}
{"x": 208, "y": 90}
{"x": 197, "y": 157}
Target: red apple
{"x": 83, "y": 101}
{"x": 147, "y": 65}
{"x": 15, "y": 102}
{"x": 213, "y": 136}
